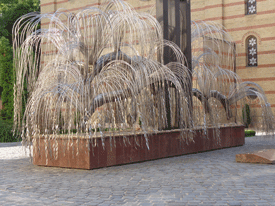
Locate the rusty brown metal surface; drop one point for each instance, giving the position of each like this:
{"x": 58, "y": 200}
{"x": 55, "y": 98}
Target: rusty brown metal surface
{"x": 161, "y": 145}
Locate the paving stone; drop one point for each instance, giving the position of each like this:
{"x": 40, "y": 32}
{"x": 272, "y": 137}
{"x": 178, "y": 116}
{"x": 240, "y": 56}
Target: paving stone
{"x": 145, "y": 204}
{"x": 262, "y": 204}
{"x": 210, "y": 178}
{"x": 208, "y": 202}
{"x": 234, "y": 203}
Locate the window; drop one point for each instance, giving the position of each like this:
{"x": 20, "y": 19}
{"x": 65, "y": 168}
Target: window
{"x": 251, "y": 44}
{"x": 251, "y": 7}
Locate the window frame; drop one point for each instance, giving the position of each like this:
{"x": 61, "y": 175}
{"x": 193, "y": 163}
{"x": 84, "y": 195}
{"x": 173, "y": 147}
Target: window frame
{"x": 248, "y": 4}
{"x": 248, "y": 47}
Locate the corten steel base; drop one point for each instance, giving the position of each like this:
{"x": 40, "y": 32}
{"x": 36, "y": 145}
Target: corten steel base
{"x": 164, "y": 144}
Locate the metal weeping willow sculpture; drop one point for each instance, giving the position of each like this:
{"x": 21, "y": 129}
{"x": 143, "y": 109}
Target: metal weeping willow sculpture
{"x": 216, "y": 85}
{"x": 101, "y": 72}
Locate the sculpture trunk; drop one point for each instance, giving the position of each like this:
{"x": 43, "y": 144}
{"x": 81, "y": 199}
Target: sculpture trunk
{"x": 174, "y": 16}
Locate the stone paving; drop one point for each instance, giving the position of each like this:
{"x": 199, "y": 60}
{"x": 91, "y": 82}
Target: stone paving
{"x": 209, "y": 178}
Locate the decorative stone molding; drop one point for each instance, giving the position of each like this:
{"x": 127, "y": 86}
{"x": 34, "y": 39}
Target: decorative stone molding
{"x": 251, "y": 33}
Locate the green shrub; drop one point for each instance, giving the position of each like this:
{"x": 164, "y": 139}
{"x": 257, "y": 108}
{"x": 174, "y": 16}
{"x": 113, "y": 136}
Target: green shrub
{"x": 246, "y": 115}
{"x": 6, "y": 78}
{"x": 6, "y": 134}
{"x": 249, "y": 133}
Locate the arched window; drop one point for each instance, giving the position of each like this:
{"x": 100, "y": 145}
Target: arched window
{"x": 251, "y": 45}
{"x": 251, "y": 7}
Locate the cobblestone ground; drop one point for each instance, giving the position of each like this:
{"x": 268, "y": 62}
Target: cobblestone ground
{"x": 209, "y": 178}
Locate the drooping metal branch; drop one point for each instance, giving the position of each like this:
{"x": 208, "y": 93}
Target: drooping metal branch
{"x": 203, "y": 99}
{"x": 105, "y": 59}
{"x": 105, "y": 98}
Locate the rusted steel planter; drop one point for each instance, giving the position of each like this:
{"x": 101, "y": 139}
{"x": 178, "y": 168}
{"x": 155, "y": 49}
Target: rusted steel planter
{"x": 162, "y": 144}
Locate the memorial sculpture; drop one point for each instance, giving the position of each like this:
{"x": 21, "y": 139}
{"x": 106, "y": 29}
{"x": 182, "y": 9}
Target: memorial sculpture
{"x": 101, "y": 73}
